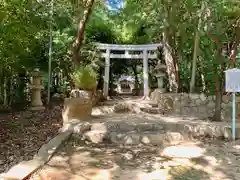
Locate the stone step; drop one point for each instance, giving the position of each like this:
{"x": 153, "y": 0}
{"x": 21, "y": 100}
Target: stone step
{"x": 149, "y": 133}
{"x": 152, "y": 110}
{"x": 149, "y": 102}
{"x": 146, "y": 138}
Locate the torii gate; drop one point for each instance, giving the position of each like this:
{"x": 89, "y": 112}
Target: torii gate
{"x": 147, "y": 51}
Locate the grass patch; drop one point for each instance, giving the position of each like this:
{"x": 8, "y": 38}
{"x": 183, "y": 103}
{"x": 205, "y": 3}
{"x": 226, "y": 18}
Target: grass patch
{"x": 187, "y": 173}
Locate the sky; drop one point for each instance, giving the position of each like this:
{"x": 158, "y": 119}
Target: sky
{"x": 115, "y": 4}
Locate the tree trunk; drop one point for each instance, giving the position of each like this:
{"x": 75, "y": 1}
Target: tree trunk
{"x": 194, "y": 63}
{"x": 218, "y": 84}
{"x": 195, "y": 53}
{"x": 172, "y": 66}
{"x": 80, "y": 33}
{"x": 218, "y": 101}
{"x": 234, "y": 49}
{"x": 202, "y": 75}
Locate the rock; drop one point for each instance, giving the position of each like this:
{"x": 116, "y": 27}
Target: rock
{"x": 99, "y": 127}
{"x": 132, "y": 139}
{"x": 81, "y": 128}
{"x": 76, "y": 93}
{"x": 173, "y": 137}
{"x": 153, "y": 138}
{"x": 227, "y": 132}
{"x": 120, "y": 108}
{"x": 193, "y": 96}
{"x": 97, "y": 133}
{"x": 217, "y": 132}
{"x": 145, "y": 140}
{"x": 201, "y": 130}
{"x": 203, "y": 97}
{"x": 126, "y": 107}
{"x": 128, "y": 156}
{"x": 116, "y": 138}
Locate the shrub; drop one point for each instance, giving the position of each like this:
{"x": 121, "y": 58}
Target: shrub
{"x": 85, "y": 78}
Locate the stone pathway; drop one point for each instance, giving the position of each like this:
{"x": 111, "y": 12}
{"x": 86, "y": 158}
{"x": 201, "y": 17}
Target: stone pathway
{"x": 192, "y": 160}
{"x": 114, "y": 159}
{"x": 210, "y": 160}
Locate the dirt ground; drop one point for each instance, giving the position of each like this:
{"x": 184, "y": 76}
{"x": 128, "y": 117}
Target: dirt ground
{"x": 209, "y": 160}
{"x": 23, "y": 133}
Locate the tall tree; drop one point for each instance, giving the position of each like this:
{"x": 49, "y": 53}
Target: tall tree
{"x": 88, "y": 5}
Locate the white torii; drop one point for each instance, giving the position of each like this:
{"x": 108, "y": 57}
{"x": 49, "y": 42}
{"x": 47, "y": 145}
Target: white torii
{"x": 147, "y": 52}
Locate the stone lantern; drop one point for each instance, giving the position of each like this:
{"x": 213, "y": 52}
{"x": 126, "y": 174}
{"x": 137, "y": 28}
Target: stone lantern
{"x": 160, "y": 74}
{"x": 36, "y": 86}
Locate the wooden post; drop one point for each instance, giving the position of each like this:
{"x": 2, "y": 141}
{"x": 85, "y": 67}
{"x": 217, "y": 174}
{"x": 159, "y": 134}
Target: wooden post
{"x": 106, "y": 74}
{"x": 145, "y": 73}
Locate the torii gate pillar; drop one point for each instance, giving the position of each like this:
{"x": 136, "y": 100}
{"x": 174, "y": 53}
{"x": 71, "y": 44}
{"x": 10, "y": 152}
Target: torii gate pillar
{"x": 106, "y": 74}
{"x": 144, "y": 54}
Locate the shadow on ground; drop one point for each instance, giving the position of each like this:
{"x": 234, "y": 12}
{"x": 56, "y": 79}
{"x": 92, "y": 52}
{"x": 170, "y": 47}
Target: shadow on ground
{"x": 199, "y": 161}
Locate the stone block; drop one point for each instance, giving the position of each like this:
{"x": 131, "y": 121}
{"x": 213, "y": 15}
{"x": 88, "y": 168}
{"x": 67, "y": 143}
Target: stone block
{"x": 158, "y": 127}
{"x": 211, "y": 98}
{"x": 145, "y": 127}
{"x": 186, "y": 110}
{"x": 193, "y": 96}
{"x": 48, "y": 150}
{"x": 126, "y": 127}
{"x": 116, "y": 137}
{"x": 203, "y": 97}
{"x": 23, "y": 170}
{"x": 172, "y": 137}
{"x": 113, "y": 127}
{"x": 153, "y": 138}
{"x": 76, "y": 108}
{"x": 94, "y": 136}
{"x": 199, "y": 102}
{"x": 211, "y": 104}
{"x": 185, "y": 101}
{"x": 202, "y": 110}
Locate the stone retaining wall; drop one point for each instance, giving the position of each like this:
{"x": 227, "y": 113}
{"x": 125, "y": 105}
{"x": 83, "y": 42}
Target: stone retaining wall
{"x": 198, "y": 105}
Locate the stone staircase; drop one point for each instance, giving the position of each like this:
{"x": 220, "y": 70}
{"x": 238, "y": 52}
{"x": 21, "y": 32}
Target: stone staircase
{"x": 134, "y": 122}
